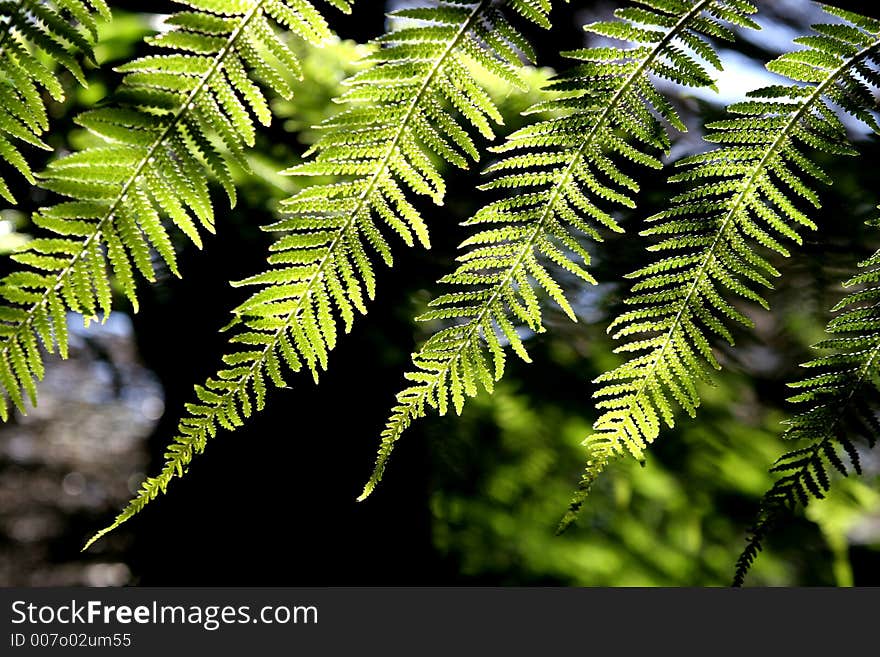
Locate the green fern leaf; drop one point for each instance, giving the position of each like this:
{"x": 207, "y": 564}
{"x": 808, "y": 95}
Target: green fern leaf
{"x": 842, "y": 399}
{"x": 743, "y": 196}
{"x": 176, "y": 116}
{"x": 31, "y": 31}
{"x": 563, "y": 173}
{"x": 383, "y": 145}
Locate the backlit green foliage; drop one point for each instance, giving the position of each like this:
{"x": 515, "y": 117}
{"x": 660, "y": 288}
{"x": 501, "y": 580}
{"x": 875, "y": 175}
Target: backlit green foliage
{"x": 842, "y": 405}
{"x": 176, "y": 117}
{"x": 416, "y": 104}
{"x": 741, "y": 198}
{"x": 33, "y": 33}
{"x": 424, "y": 99}
{"x": 559, "y": 178}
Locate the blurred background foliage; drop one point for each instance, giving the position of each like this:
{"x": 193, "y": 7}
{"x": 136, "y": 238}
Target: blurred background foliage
{"x": 470, "y": 500}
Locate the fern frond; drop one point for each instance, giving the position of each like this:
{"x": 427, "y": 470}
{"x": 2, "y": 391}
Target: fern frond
{"x": 177, "y": 117}
{"x": 385, "y": 146}
{"x": 741, "y": 197}
{"x": 560, "y": 177}
{"x": 842, "y": 398}
{"x": 598, "y": 458}
{"x": 31, "y": 31}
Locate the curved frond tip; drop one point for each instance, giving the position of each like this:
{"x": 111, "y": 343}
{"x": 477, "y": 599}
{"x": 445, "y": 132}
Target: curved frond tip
{"x": 558, "y": 180}
{"x": 415, "y": 106}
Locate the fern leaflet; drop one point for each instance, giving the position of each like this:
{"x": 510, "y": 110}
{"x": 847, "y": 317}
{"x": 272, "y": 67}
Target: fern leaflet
{"x": 176, "y": 116}
{"x": 843, "y": 405}
{"x": 740, "y": 197}
{"x": 558, "y": 172}
{"x": 397, "y": 118}
{"x": 62, "y": 30}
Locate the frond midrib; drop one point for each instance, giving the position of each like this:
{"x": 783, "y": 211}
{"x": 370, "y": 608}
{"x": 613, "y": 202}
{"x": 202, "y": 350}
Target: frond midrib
{"x": 742, "y": 197}
{"x": 160, "y": 139}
